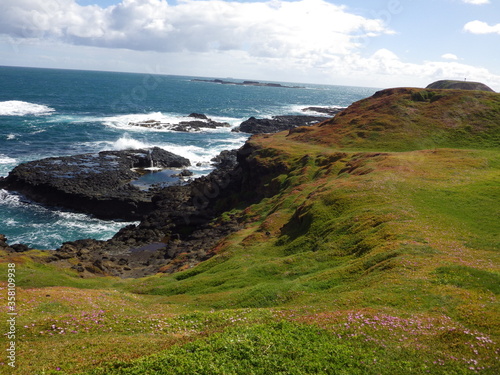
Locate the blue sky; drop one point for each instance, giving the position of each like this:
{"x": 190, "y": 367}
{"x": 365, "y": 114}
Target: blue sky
{"x": 378, "y": 43}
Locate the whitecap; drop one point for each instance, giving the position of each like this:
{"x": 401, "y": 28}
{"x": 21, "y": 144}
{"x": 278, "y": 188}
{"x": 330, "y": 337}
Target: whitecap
{"x": 126, "y": 122}
{"x": 4, "y": 159}
{"x": 99, "y": 229}
{"x": 9, "y": 198}
{"x": 160, "y": 122}
{"x": 10, "y": 223}
{"x": 41, "y": 227}
{"x": 127, "y": 143}
{"x": 20, "y": 108}
{"x": 195, "y": 154}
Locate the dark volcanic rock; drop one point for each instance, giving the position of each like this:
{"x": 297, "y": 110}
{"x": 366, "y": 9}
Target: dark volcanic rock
{"x": 277, "y": 123}
{"x": 200, "y": 116}
{"x": 179, "y": 232}
{"x": 4, "y": 245}
{"x": 97, "y": 184}
{"x": 184, "y": 226}
{"x": 16, "y": 248}
{"x": 199, "y": 123}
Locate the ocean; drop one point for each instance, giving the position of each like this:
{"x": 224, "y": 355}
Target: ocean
{"x": 52, "y": 112}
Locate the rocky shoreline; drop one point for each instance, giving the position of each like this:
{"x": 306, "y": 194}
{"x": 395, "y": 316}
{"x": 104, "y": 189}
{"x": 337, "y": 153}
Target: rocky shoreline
{"x": 277, "y": 123}
{"x": 176, "y": 232}
{"x": 199, "y": 122}
{"x": 180, "y": 225}
{"x": 251, "y": 126}
{"x": 97, "y": 184}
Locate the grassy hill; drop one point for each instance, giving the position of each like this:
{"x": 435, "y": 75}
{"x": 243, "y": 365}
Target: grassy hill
{"x": 459, "y": 85}
{"x": 375, "y": 251}
{"x": 406, "y": 119}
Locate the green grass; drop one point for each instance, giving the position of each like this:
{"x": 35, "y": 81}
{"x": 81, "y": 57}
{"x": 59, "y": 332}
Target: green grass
{"x": 288, "y": 348}
{"x": 469, "y": 278}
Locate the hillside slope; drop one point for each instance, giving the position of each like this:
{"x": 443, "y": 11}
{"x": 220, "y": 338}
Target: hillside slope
{"x": 405, "y": 119}
{"x": 459, "y": 85}
{"x": 373, "y": 248}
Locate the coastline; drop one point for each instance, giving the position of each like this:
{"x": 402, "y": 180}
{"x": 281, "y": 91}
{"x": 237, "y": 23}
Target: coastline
{"x": 173, "y": 221}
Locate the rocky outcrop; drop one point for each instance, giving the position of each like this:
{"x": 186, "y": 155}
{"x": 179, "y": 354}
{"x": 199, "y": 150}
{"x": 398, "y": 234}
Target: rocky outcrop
{"x": 184, "y": 227}
{"x": 459, "y": 85}
{"x": 16, "y": 248}
{"x": 179, "y": 232}
{"x": 277, "y": 123}
{"x": 98, "y": 184}
{"x": 199, "y": 122}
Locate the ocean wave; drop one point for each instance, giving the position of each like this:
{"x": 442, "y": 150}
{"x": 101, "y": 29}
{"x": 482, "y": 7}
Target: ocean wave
{"x": 126, "y": 122}
{"x": 20, "y": 108}
{"x": 195, "y": 154}
{"x": 4, "y": 159}
{"x": 127, "y": 143}
{"x": 160, "y": 122}
{"x": 98, "y": 229}
{"x": 9, "y": 198}
{"x": 44, "y": 228}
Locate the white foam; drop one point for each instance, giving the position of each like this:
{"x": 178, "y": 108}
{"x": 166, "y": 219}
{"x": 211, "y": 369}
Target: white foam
{"x": 89, "y": 225}
{"x": 10, "y": 223}
{"x": 126, "y": 122}
{"x": 9, "y": 198}
{"x": 164, "y": 122}
{"x": 195, "y": 154}
{"x": 11, "y": 136}
{"x": 153, "y": 169}
{"x": 127, "y": 143}
{"x": 4, "y": 159}
{"x": 20, "y": 108}
{"x": 47, "y": 234}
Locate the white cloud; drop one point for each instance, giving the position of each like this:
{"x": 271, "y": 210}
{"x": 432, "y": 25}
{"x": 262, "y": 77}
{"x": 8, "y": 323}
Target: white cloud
{"x": 386, "y": 69}
{"x": 300, "y": 29}
{"x": 479, "y": 27}
{"x": 449, "y": 56}
{"x": 476, "y": 2}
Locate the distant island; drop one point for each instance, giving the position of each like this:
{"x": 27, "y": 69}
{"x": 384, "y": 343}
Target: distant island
{"x": 246, "y": 83}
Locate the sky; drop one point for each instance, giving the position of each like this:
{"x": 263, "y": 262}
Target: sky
{"x": 373, "y": 43}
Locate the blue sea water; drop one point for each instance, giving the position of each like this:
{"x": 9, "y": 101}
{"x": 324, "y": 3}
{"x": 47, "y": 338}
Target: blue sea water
{"x": 51, "y": 112}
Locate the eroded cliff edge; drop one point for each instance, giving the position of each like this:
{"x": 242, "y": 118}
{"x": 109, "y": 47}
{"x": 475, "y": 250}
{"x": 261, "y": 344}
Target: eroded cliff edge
{"x": 180, "y": 228}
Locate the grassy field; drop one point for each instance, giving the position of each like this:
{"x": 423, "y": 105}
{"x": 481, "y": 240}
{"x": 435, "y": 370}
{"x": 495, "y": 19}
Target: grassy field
{"x": 378, "y": 261}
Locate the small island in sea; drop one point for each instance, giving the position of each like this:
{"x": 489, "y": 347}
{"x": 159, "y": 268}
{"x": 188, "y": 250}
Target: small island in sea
{"x": 245, "y": 83}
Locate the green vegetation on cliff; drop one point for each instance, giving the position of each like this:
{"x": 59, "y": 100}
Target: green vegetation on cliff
{"x": 375, "y": 251}
{"x": 407, "y": 119}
